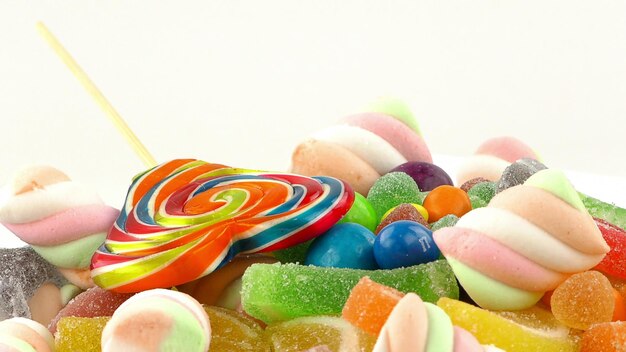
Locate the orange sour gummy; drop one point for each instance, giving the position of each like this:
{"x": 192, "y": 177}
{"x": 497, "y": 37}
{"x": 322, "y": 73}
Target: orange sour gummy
{"x": 370, "y": 304}
{"x": 445, "y": 200}
{"x": 584, "y": 299}
{"x": 605, "y": 337}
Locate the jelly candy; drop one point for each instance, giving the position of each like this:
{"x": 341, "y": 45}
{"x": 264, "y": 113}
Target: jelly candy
{"x": 446, "y": 221}
{"x": 79, "y": 334}
{"x": 413, "y": 212}
{"x": 95, "y": 302}
{"x": 614, "y": 263}
{"x": 605, "y": 211}
{"x": 604, "y": 337}
{"x": 583, "y": 299}
{"x": 369, "y": 305}
{"x": 293, "y": 254}
{"x": 392, "y": 189}
{"x": 427, "y": 176}
{"x": 343, "y": 246}
{"x": 308, "y": 332}
{"x": 473, "y": 182}
{"x": 520, "y": 331}
{"x": 481, "y": 194}
{"x": 518, "y": 172}
{"x": 404, "y": 243}
{"x": 445, "y": 200}
{"x": 276, "y": 292}
{"x": 361, "y": 212}
{"x": 232, "y": 331}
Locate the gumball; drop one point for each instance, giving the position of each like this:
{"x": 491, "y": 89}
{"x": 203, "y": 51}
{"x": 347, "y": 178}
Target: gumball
{"x": 445, "y": 200}
{"x": 343, "y": 246}
{"x": 361, "y": 212}
{"x": 404, "y": 243}
{"x": 427, "y": 176}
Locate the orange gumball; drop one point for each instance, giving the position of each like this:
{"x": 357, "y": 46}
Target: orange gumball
{"x": 445, "y": 200}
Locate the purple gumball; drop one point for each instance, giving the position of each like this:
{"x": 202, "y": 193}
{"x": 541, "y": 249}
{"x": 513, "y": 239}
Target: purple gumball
{"x": 427, "y": 176}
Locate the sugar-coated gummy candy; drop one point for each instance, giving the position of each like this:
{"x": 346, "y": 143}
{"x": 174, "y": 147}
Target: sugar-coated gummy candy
{"x": 427, "y": 176}
{"x": 79, "y": 334}
{"x": 233, "y": 331}
{"x": 391, "y": 190}
{"x": 583, "y": 299}
{"x": 467, "y": 185}
{"x": 404, "y": 211}
{"x": 370, "y": 304}
{"x": 522, "y": 331}
{"x": 445, "y": 200}
{"x": 304, "y": 333}
{"x": 344, "y": 246}
{"x": 446, "y": 221}
{"x": 481, "y": 194}
{"x": 614, "y": 263}
{"x": 22, "y": 272}
{"x": 404, "y": 243}
{"x": 604, "y": 337}
{"x": 277, "y": 292}
{"x": 605, "y": 211}
{"x": 95, "y": 302}
{"x": 518, "y": 172}
{"x": 361, "y": 212}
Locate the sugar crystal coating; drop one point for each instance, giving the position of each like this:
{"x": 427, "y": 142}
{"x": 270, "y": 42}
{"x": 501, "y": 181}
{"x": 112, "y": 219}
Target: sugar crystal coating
{"x": 481, "y": 194}
{"x": 79, "y": 334}
{"x": 605, "y": 211}
{"x": 467, "y": 185}
{"x": 232, "y": 331}
{"x": 22, "y": 272}
{"x": 447, "y": 221}
{"x": 403, "y": 211}
{"x": 304, "y": 333}
{"x": 583, "y": 299}
{"x": 391, "y": 190}
{"x": 95, "y": 302}
{"x": 427, "y": 176}
{"x": 279, "y": 292}
{"x": 518, "y": 172}
{"x": 605, "y": 337}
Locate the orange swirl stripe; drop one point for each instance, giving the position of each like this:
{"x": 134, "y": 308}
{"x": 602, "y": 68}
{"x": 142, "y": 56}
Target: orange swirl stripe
{"x": 185, "y": 218}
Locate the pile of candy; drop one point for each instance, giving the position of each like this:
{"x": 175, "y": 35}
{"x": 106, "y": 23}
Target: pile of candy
{"x": 360, "y": 247}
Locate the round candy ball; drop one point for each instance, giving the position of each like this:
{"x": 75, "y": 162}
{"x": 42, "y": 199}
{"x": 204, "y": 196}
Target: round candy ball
{"x": 343, "y": 246}
{"x": 361, "y": 212}
{"x": 404, "y": 243}
{"x": 427, "y": 176}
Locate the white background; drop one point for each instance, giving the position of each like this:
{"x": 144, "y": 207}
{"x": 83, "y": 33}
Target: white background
{"x": 241, "y": 82}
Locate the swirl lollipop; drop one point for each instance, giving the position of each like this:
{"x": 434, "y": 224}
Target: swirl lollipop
{"x": 185, "y": 218}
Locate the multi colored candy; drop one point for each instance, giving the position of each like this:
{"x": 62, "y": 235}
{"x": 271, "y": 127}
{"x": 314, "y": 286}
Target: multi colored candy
{"x": 62, "y": 220}
{"x": 499, "y": 254}
{"x": 185, "y": 218}
{"x": 158, "y": 320}
{"x": 21, "y": 334}
{"x": 364, "y": 147}
{"x": 492, "y": 157}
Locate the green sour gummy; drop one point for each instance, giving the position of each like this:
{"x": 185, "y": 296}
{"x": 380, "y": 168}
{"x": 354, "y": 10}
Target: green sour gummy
{"x": 278, "y": 292}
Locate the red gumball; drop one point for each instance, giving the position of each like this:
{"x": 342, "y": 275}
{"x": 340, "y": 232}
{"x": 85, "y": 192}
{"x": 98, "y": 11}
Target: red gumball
{"x": 614, "y": 263}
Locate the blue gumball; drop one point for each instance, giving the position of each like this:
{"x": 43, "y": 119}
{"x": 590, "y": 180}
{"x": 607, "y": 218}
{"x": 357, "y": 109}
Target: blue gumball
{"x": 345, "y": 245}
{"x": 404, "y": 243}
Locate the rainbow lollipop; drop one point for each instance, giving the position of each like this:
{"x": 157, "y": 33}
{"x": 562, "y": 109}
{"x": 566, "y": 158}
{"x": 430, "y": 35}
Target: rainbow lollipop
{"x": 185, "y": 218}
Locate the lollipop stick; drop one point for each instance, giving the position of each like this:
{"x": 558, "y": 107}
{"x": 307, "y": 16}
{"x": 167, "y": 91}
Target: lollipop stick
{"x": 95, "y": 93}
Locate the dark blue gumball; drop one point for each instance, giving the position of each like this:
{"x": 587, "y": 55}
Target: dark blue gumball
{"x": 345, "y": 245}
{"x": 404, "y": 243}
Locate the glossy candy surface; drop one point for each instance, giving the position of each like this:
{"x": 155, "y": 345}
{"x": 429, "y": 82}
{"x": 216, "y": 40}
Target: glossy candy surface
{"x": 427, "y": 176}
{"x": 445, "y": 200}
{"x": 361, "y": 212}
{"x": 185, "y": 218}
{"x": 404, "y": 243}
{"x": 343, "y": 246}
{"x": 232, "y": 331}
